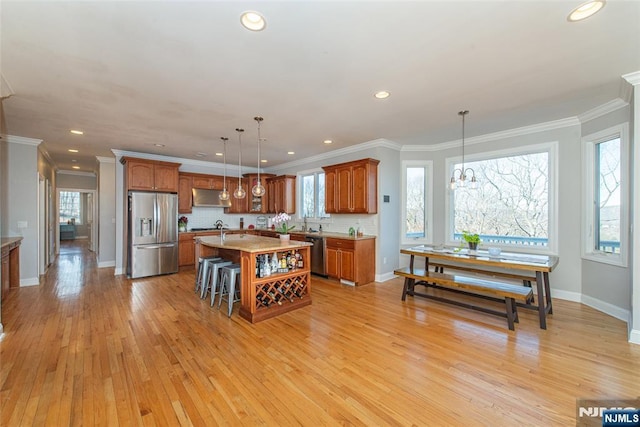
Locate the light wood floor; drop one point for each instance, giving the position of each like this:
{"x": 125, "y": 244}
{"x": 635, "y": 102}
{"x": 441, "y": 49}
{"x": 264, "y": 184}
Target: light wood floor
{"x": 87, "y": 348}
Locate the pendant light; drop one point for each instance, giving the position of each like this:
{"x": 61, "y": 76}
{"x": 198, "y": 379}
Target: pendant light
{"x": 239, "y": 193}
{"x": 224, "y": 195}
{"x": 258, "y": 190}
{"x": 462, "y": 172}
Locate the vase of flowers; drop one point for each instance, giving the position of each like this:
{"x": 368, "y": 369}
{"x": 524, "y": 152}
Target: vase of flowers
{"x": 182, "y": 223}
{"x": 281, "y": 226}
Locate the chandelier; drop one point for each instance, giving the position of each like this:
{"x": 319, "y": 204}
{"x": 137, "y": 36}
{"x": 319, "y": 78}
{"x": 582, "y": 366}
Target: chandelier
{"x": 258, "y": 190}
{"x": 461, "y": 178}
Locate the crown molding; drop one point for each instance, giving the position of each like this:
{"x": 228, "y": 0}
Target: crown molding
{"x": 480, "y": 139}
{"x": 632, "y": 78}
{"x": 602, "y": 110}
{"x": 21, "y": 140}
{"x": 381, "y": 142}
{"x": 183, "y": 162}
{"x": 101, "y": 159}
{"x": 76, "y": 173}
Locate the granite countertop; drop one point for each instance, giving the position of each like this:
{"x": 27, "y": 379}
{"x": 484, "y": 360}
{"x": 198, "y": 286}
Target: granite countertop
{"x": 250, "y": 243}
{"x": 330, "y": 234}
{"x": 6, "y": 241}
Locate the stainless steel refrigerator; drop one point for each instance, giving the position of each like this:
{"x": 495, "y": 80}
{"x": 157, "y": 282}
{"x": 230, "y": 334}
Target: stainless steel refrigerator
{"x": 153, "y": 234}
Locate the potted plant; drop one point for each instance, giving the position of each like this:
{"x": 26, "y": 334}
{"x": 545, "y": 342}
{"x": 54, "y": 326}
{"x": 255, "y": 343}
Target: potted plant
{"x": 182, "y": 223}
{"x": 281, "y": 226}
{"x": 471, "y": 239}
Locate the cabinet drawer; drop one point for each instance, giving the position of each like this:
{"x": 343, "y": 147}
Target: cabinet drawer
{"x": 340, "y": 243}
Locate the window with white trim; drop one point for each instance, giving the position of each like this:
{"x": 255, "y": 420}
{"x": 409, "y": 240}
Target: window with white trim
{"x": 513, "y": 204}
{"x": 312, "y": 195}
{"x": 605, "y": 178}
{"x": 416, "y": 202}
{"x": 70, "y": 207}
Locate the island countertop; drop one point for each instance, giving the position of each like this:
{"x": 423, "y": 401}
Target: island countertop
{"x": 250, "y": 243}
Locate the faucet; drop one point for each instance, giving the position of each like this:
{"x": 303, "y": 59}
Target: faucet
{"x": 304, "y": 227}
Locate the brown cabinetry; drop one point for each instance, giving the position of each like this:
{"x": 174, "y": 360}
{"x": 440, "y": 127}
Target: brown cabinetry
{"x": 211, "y": 182}
{"x": 352, "y": 187}
{"x": 184, "y": 194}
{"x": 143, "y": 174}
{"x": 186, "y": 249}
{"x": 351, "y": 260}
{"x": 281, "y": 194}
{"x": 257, "y": 204}
{"x": 238, "y": 205}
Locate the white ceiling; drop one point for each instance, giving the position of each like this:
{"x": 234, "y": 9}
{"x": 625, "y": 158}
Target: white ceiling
{"x": 183, "y": 74}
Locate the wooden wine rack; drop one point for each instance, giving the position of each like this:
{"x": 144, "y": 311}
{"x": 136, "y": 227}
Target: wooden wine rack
{"x": 267, "y": 297}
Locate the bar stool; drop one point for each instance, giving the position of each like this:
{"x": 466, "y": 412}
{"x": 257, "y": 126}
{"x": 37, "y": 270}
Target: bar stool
{"x": 199, "y": 270}
{"x": 210, "y": 276}
{"x": 229, "y": 285}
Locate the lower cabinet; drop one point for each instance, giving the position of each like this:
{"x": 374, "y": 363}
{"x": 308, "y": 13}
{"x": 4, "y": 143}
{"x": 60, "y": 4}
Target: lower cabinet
{"x": 350, "y": 260}
{"x": 186, "y": 249}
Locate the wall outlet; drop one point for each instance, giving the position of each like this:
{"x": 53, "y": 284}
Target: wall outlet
{"x": 22, "y": 224}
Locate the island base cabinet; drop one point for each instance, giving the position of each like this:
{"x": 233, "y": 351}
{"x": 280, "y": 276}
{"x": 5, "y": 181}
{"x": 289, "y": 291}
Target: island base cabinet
{"x": 267, "y": 297}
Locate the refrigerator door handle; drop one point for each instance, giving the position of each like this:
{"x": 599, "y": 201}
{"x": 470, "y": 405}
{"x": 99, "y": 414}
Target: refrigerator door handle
{"x": 164, "y": 245}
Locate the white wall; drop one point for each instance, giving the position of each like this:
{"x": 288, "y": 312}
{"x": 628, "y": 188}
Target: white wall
{"x": 106, "y": 212}
{"x": 76, "y": 180}
{"x": 22, "y": 191}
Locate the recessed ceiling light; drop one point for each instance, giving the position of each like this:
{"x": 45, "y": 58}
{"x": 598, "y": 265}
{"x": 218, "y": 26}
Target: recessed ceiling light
{"x": 585, "y": 10}
{"x": 201, "y": 154}
{"x": 76, "y": 167}
{"x": 76, "y": 132}
{"x": 159, "y": 145}
{"x": 72, "y": 150}
{"x": 253, "y": 21}
{"x": 291, "y": 152}
{"x": 328, "y": 141}
{"x": 263, "y": 161}
{"x": 219, "y": 154}
{"x": 382, "y": 94}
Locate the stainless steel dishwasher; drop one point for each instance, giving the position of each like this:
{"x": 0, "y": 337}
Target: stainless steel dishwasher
{"x": 317, "y": 254}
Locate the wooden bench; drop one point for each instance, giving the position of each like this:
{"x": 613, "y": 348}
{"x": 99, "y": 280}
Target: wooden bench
{"x": 481, "y": 288}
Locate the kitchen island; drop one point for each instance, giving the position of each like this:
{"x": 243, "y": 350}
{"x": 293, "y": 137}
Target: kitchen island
{"x": 262, "y": 298}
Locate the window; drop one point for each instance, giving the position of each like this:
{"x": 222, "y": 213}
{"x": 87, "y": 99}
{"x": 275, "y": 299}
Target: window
{"x": 70, "y": 207}
{"x": 513, "y": 203}
{"x": 605, "y": 193}
{"x": 312, "y": 195}
{"x": 416, "y": 203}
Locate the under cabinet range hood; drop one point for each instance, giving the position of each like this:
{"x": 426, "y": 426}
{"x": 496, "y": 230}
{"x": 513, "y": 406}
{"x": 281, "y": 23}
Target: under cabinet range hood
{"x": 209, "y": 198}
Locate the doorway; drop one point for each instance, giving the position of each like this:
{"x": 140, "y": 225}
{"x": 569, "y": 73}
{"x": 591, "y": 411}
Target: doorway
{"x": 76, "y": 213}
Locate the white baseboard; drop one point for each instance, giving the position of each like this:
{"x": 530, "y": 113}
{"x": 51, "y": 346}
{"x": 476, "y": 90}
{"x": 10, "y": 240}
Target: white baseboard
{"x": 31, "y": 281}
{"x": 105, "y": 264}
{"x": 634, "y": 336}
{"x": 347, "y": 282}
{"x": 566, "y": 295}
{"x": 605, "y": 307}
{"x": 1, "y": 329}
{"x": 384, "y": 277}
{"x": 118, "y": 271}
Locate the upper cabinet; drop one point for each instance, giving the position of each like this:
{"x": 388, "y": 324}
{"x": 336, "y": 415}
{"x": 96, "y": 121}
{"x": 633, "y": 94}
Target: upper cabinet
{"x": 281, "y": 194}
{"x": 184, "y": 193}
{"x": 352, "y": 187}
{"x": 143, "y": 174}
{"x": 257, "y": 204}
{"x": 211, "y": 182}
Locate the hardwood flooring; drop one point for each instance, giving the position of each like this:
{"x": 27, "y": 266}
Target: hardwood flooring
{"x": 91, "y": 348}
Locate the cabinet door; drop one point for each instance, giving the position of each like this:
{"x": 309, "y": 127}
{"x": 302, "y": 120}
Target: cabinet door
{"x": 217, "y": 182}
{"x": 166, "y": 178}
{"x": 238, "y": 205}
{"x": 344, "y": 190}
{"x": 360, "y": 194}
{"x": 347, "y": 267}
{"x": 184, "y": 194}
{"x": 330, "y": 189}
{"x": 186, "y": 252}
{"x": 140, "y": 176}
{"x": 201, "y": 182}
{"x": 332, "y": 262}
{"x": 288, "y": 194}
{"x": 271, "y": 196}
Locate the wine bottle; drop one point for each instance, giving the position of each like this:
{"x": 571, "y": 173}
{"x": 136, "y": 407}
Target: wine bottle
{"x": 284, "y": 294}
{"x": 263, "y": 300}
{"x": 275, "y": 298}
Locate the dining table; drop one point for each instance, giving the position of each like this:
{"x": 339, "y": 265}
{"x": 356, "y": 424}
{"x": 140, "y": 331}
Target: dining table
{"x": 502, "y": 264}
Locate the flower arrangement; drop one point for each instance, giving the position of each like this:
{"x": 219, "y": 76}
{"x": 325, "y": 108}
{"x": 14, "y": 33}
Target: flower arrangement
{"x": 182, "y": 221}
{"x": 281, "y": 221}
